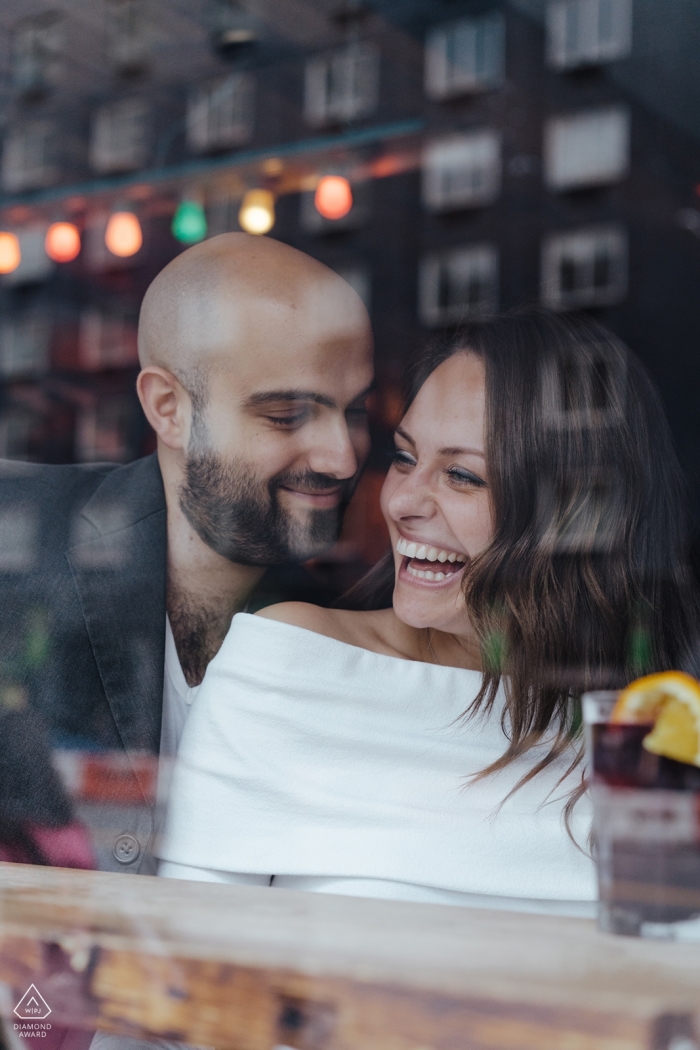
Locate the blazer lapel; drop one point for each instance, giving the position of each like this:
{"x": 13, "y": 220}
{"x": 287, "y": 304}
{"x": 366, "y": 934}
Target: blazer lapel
{"x": 118, "y": 563}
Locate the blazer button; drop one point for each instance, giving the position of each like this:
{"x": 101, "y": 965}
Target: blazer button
{"x": 126, "y": 849}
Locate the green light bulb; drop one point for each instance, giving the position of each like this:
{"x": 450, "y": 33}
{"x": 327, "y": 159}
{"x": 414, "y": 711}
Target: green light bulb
{"x": 189, "y": 222}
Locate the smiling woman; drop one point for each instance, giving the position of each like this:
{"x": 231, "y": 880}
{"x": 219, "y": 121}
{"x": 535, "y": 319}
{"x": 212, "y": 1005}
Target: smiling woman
{"x": 422, "y": 742}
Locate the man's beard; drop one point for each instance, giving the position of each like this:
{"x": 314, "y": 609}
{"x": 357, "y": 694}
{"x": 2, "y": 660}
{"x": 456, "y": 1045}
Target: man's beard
{"x": 239, "y": 515}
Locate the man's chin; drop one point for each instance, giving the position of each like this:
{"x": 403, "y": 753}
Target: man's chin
{"x": 314, "y": 534}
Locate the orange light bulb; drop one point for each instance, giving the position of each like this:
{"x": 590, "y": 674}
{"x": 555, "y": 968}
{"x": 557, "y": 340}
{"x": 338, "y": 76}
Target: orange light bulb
{"x": 62, "y": 242}
{"x": 10, "y": 252}
{"x": 333, "y": 198}
{"x": 123, "y": 235}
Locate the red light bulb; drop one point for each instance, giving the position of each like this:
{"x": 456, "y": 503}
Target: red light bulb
{"x": 333, "y": 198}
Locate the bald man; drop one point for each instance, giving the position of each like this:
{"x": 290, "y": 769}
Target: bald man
{"x": 123, "y": 580}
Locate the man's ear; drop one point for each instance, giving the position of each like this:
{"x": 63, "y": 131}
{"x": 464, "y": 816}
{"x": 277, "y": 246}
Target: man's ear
{"x": 166, "y": 404}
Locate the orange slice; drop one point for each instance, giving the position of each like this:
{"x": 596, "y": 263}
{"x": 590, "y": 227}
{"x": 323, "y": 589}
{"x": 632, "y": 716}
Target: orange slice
{"x": 671, "y": 700}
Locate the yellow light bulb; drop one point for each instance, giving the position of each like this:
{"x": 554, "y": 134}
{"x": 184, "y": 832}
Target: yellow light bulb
{"x": 257, "y": 214}
{"x": 123, "y": 235}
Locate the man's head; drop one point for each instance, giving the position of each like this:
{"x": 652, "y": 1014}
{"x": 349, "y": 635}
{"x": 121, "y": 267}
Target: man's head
{"x": 256, "y": 364}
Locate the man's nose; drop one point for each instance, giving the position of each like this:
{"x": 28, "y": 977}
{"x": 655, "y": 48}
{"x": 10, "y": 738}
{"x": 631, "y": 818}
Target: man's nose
{"x": 332, "y": 451}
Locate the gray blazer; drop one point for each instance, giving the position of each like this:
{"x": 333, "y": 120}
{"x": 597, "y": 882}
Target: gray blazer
{"x": 82, "y": 632}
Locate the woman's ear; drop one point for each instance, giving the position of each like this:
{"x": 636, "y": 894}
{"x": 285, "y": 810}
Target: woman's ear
{"x": 166, "y": 404}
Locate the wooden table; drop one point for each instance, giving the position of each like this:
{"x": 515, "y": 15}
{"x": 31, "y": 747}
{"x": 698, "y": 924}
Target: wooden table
{"x": 243, "y": 968}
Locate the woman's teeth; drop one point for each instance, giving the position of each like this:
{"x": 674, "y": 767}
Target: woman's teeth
{"x": 422, "y": 552}
{"x": 426, "y": 574}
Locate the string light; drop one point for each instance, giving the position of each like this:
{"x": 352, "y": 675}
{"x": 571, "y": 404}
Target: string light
{"x": 189, "y": 222}
{"x": 333, "y": 197}
{"x": 123, "y": 235}
{"x": 257, "y": 214}
{"x": 62, "y": 242}
{"x": 10, "y": 252}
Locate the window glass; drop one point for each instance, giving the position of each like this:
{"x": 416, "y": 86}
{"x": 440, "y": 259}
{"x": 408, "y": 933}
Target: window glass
{"x": 464, "y": 56}
{"x": 462, "y": 171}
{"x": 341, "y": 86}
{"x": 587, "y": 148}
{"x": 119, "y": 136}
{"x": 220, "y": 114}
{"x": 349, "y": 525}
{"x": 588, "y": 32}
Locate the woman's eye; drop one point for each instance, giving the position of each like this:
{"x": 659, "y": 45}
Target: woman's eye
{"x": 465, "y": 477}
{"x": 402, "y": 459}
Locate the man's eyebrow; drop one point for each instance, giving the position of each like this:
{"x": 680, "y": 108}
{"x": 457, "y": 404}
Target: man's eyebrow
{"x": 452, "y": 450}
{"x": 269, "y": 397}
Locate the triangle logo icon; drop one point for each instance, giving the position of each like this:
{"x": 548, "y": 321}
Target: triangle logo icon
{"x": 32, "y": 1006}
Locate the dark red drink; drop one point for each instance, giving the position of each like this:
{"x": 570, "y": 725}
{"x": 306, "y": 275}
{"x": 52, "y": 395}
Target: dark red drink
{"x": 647, "y": 834}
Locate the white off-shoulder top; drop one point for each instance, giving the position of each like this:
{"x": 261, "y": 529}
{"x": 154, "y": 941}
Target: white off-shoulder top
{"x": 311, "y": 763}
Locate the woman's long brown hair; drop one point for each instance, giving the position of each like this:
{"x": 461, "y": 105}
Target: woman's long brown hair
{"x": 586, "y": 582}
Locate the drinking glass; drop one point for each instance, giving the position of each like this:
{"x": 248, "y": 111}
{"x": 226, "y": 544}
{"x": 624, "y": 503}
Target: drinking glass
{"x": 646, "y": 830}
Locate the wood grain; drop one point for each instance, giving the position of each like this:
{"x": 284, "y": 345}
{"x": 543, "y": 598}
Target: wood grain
{"x": 244, "y": 968}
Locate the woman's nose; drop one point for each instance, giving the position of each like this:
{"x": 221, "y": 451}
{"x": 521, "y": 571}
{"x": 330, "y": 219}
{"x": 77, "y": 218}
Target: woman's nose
{"x": 412, "y": 497}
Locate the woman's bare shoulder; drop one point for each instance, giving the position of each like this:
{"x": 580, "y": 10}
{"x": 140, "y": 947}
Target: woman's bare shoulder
{"x": 354, "y": 628}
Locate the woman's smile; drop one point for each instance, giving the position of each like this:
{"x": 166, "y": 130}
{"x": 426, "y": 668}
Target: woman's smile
{"x": 424, "y": 563}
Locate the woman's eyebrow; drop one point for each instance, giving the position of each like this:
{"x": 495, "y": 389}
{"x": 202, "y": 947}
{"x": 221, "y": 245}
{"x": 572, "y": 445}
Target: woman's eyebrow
{"x": 449, "y": 451}
{"x": 461, "y": 452}
{"x": 407, "y": 437}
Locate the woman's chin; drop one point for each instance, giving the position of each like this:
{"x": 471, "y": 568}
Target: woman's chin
{"x": 422, "y": 611}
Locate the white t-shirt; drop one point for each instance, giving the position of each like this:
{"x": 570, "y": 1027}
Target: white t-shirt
{"x": 178, "y": 697}
{"x": 314, "y": 764}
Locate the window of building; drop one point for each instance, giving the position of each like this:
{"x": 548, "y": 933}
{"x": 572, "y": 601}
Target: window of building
{"x": 457, "y": 284}
{"x": 587, "y": 149}
{"x": 342, "y": 86}
{"x": 220, "y": 115}
{"x": 24, "y": 344}
{"x": 233, "y": 28}
{"x": 464, "y": 56}
{"x": 28, "y": 157}
{"x": 107, "y": 340}
{"x": 102, "y": 430}
{"x": 128, "y": 36}
{"x": 584, "y": 268}
{"x": 119, "y": 136}
{"x": 583, "y": 514}
{"x": 462, "y": 171}
{"x": 587, "y": 32}
{"x": 583, "y": 392}
{"x": 36, "y": 52}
